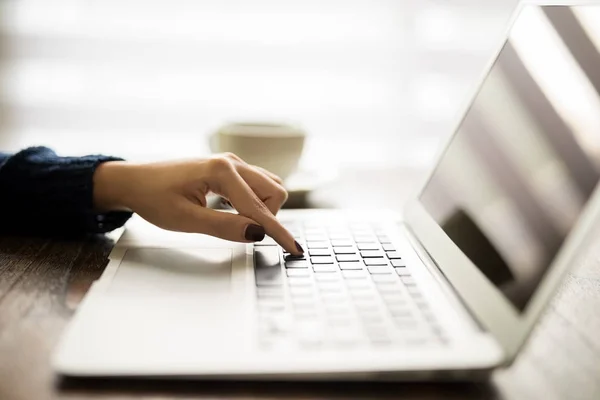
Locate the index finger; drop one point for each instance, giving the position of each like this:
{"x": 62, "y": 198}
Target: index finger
{"x": 247, "y": 203}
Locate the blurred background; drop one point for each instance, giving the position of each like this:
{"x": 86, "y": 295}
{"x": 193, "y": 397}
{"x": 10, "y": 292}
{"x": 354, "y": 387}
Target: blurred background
{"x": 380, "y": 81}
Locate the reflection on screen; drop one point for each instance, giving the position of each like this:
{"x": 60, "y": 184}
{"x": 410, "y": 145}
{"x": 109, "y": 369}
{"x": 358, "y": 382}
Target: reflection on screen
{"x": 525, "y": 160}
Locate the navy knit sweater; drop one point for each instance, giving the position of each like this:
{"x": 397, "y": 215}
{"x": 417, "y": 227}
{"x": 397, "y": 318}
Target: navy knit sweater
{"x": 44, "y": 194}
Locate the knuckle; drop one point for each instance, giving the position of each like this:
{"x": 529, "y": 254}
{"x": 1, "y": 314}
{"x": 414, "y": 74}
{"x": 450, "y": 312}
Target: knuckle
{"x": 281, "y": 195}
{"x": 220, "y": 164}
{"x": 230, "y": 155}
{"x": 262, "y": 207}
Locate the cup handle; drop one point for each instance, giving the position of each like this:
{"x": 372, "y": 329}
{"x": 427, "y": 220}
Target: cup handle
{"x": 213, "y": 142}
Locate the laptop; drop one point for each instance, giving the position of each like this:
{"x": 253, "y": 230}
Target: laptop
{"x": 448, "y": 288}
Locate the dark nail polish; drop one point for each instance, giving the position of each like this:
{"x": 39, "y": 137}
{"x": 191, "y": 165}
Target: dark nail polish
{"x": 300, "y": 249}
{"x": 254, "y": 232}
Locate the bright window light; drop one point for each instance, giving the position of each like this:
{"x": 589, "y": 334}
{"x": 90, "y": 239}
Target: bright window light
{"x": 546, "y": 57}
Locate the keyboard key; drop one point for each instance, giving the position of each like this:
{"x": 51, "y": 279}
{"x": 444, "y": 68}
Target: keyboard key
{"x": 305, "y": 291}
{"x": 319, "y": 252}
{"x": 290, "y": 257}
{"x": 317, "y": 245}
{"x": 266, "y": 257}
{"x": 342, "y": 243}
{"x": 394, "y": 255}
{"x": 325, "y": 268}
{"x": 315, "y": 238}
{"x": 336, "y": 305}
{"x": 373, "y": 262}
{"x": 298, "y": 272}
{"x": 327, "y": 277}
{"x": 398, "y": 263}
{"x": 366, "y": 304}
{"x": 339, "y": 236}
{"x": 344, "y": 336}
{"x": 269, "y": 308}
{"x": 365, "y": 239}
{"x": 269, "y": 292}
{"x": 393, "y": 298}
{"x": 367, "y": 246}
{"x": 380, "y": 270}
{"x": 371, "y": 318}
{"x": 363, "y": 295}
{"x": 267, "y": 265}
{"x": 347, "y": 257}
{"x": 351, "y": 265}
{"x": 354, "y": 274}
{"x": 306, "y": 314}
{"x": 402, "y": 271}
{"x": 383, "y": 279}
{"x": 321, "y": 260}
{"x": 304, "y": 301}
{"x": 344, "y": 250}
{"x": 274, "y": 326}
{"x": 399, "y": 311}
{"x": 383, "y": 239}
{"x": 362, "y": 232}
{"x": 413, "y": 290}
{"x": 330, "y": 287}
{"x": 299, "y": 281}
{"x": 380, "y": 340}
{"x": 405, "y": 323}
{"x": 297, "y": 264}
{"x": 358, "y": 284}
{"x": 374, "y": 327}
{"x": 422, "y": 304}
{"x": 408, "y": 281}
{"x": 334, "y": 299}
{"x": 388, "y": 247}
{"x": 372, "y": 254}
{"x": 392, "y": 290}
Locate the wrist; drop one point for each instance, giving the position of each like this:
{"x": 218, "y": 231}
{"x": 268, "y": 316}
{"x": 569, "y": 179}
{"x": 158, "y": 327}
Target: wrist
{"x": 111, "y": 181}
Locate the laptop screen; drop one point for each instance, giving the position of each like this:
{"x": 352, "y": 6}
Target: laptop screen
{"x": 526, "y": 158}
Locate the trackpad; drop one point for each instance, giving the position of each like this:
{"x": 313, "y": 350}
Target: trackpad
{"x": 157, "y": 271}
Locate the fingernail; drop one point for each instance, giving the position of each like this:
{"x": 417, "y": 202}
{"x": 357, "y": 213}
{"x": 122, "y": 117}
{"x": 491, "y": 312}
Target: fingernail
{"x": 254, "y": 232}
{"x": 300, "y": 249}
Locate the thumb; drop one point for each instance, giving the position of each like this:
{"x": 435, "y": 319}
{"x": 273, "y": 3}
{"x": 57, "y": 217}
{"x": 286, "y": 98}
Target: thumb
{"x": 224, "y": 225}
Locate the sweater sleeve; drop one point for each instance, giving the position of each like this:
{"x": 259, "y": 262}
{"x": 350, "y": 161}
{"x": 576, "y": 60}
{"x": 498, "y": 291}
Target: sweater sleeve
{"x": 42, "y": 193}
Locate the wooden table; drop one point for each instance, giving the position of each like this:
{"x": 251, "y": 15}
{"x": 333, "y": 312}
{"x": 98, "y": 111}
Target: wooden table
{"x": 42, "y": 281}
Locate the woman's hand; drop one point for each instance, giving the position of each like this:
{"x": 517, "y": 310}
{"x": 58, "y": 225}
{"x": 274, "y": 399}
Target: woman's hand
{"x": 172, "y": 195}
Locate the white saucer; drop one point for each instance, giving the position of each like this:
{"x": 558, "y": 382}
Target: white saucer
{"x": 303, "y": 182}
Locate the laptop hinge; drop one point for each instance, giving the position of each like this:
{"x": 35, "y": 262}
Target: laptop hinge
{"x": 447, "y": 287}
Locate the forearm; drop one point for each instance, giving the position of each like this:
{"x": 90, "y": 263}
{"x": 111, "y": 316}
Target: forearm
{"x": 42, "y": 193}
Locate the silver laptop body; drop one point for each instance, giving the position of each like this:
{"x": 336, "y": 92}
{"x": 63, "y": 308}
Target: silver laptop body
{"x": 450, "y": 288}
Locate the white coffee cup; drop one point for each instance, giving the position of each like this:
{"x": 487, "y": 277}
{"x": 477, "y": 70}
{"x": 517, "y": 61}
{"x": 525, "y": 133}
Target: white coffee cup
{"x": 272, "y": 146}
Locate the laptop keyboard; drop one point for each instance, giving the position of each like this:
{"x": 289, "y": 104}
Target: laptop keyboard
{"x": 351, "y": 288}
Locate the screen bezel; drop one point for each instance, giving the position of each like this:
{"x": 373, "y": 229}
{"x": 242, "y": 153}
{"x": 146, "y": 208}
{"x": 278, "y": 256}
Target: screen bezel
{"x": 487, "y": 303}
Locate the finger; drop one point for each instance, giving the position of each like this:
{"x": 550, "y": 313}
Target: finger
{"x": 271, "y": 175}
{"x": 268, "y": 191}
{"x": 221, "y": 224}
{"x": 249, "y": 205}
{"x": 268, "y": 173}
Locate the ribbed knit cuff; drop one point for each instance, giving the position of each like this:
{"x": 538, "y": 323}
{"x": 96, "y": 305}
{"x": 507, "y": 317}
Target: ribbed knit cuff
{"x": 48, "y": 193}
